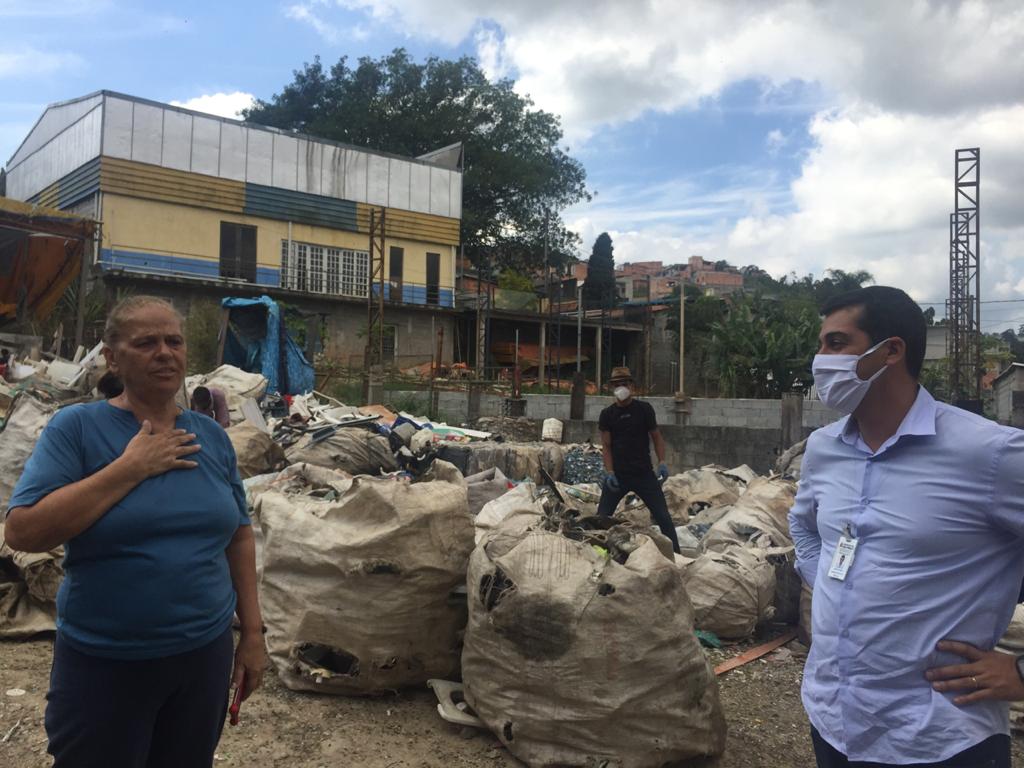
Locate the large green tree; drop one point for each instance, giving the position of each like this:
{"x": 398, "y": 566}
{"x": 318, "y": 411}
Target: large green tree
{"x": 599, "y": 288}
{"x": 516, "y": 172}
{"x": 764, "y": 346}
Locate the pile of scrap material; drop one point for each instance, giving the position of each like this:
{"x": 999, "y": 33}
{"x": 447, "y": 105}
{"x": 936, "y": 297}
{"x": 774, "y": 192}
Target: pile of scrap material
{"x": 517, "y": 429}
{"x": 733, "y": 528}
{"x": 30, "y": 394}
{"x": 790, "y": 461}
{"x": 357, "y": 578}
{"x": 28, "y": 591}
{"x": 583, "y": 464}
{"x": 572, "y": 613}
{"x": 517, "y": 461}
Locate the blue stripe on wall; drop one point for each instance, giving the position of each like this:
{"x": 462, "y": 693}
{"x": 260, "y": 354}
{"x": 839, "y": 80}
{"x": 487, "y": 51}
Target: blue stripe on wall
{"x": 287, "y": 205}
{"x": 162, "y": 264}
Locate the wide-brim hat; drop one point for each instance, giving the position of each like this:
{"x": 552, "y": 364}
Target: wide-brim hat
{"x": 620, "y": 373}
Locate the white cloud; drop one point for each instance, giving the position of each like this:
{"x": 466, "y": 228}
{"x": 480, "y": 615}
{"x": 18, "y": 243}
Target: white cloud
{"x": 220, "y": 104}
{"x": 305, "y": 13}
{"x": 901, "y": 85}
{"x": 596, "y": 62}
{"x": 27, "y": 62}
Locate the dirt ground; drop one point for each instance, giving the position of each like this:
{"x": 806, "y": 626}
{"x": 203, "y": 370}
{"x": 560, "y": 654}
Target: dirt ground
{"x": 767, "y": 725}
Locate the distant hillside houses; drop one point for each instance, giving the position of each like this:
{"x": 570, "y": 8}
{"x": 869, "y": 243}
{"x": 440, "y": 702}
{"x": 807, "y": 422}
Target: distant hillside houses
{"x": 653, "y": 280}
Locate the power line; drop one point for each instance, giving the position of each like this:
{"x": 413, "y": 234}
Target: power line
{"x": 993, "y": 301}
{"x": 1010, "y": 321}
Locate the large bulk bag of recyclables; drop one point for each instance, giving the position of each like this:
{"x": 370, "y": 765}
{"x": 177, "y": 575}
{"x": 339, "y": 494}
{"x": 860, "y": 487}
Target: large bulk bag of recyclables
{"x": 580, "y": 648}
{"x": 357, "y": 582}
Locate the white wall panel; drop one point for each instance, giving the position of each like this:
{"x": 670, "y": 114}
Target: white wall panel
{"x": 440, "y": 191}
{"x": 455, "y": 196}
{"x": 53, "y": 121}
{"x": 355, "y": 175}
{"x": 147, "y": 134}
{"x": 258, "y": 164}
{"x": 419, "y": 188}
{"x": 286, "y": 152}
{"x": 398, "y": 184}
{"x": 332, "y": 166}
{"x": 72, "y": 148}
{"x": 205, "y": 145}
{"x": 377, "y": 180}
{"x": 232, "y": 151}
{"x": 117, "y": 128}
{"x": 310, "y": 163}
{"x": 177, "y": 150}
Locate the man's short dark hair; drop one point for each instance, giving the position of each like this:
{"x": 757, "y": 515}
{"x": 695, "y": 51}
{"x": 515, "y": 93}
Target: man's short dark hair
{"x": 887, "y": 312}
{"x": 203, "y": 397}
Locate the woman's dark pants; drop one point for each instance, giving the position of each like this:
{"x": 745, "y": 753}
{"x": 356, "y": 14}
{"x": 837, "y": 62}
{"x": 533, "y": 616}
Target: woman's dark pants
{"x": 157, "y": 713}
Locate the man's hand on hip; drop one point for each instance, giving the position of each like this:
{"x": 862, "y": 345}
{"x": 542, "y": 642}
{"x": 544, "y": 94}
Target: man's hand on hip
{"x": 988, "y": 675}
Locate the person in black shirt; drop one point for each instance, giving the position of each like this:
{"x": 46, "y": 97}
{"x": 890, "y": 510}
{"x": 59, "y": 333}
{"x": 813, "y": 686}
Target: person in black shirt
{"x": 628, "y": 426}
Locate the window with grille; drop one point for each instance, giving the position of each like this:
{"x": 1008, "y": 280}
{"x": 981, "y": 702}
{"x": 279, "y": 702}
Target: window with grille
{"x": 319, "y": 269}
{"x": 238, "y": 251}
{"x": 316, "y": 269}
{"x": 333, "y": 270}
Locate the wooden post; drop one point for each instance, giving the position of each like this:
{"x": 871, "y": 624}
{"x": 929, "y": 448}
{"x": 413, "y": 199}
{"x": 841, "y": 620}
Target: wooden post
{"x": 792, "y": 419}
{"x": 222, "y": 335}
{"x": 682, "y": 341}
{"x": 83, "y": 285}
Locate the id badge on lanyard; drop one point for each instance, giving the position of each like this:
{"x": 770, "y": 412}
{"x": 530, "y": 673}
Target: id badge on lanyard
{"x": 842, "y": 559}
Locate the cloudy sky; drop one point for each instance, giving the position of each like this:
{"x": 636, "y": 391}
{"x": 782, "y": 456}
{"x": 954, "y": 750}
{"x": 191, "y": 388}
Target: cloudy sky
{"x": 794, "y": 135}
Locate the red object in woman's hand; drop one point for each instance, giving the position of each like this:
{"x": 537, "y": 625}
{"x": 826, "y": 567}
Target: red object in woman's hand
{"x": 236, "y": 703}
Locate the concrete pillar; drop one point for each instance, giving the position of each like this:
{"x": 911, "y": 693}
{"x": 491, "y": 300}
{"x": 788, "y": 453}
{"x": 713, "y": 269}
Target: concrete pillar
{"x": 473, "y": 404}
{"x": 681, "y": 407}
{"x": 578, "y": 398}
{"x": 374, "y": 390}
{"x": 792, "y": 419}
{"x": 597, "y": 348}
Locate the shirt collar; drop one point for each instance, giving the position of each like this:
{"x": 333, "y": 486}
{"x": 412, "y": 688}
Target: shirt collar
{"x": 920, "y": 420}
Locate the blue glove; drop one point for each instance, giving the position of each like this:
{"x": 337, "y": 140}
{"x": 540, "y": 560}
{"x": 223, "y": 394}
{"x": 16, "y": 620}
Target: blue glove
{"x": 611, "y": 482}
{"x": 663, "y": 472}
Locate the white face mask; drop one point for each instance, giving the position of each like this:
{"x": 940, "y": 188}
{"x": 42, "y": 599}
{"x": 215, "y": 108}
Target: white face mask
{"x": 621, "y": 393}
{"x": 839, "y": 386}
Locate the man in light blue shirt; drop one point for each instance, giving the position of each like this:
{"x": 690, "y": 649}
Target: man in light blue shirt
{"x": 908, "y": 524}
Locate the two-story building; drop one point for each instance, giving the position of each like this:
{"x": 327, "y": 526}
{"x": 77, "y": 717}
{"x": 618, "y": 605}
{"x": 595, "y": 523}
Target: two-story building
{"x": 193, "y": 206}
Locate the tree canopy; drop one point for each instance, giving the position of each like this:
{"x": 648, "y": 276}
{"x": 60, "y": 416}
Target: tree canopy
{"x": 599, "y": 288}
{"x": 763, "y": 347}
{"x": 514, "y": 169}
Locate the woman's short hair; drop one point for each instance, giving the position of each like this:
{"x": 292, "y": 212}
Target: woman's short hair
{"x": 118, "y": 316}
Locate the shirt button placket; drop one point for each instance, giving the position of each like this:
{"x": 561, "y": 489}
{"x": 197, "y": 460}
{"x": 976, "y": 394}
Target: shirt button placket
{"x": 847, "y": 600}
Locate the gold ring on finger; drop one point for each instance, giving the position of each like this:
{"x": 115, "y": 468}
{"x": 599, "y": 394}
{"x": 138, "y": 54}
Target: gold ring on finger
{"x": 975, "y": 681}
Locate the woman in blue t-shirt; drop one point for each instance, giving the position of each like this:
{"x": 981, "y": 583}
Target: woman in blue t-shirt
{"x": 159, "y": 555}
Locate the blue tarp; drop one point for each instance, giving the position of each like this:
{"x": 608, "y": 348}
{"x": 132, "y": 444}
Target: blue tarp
{"x": 258, "y": 342}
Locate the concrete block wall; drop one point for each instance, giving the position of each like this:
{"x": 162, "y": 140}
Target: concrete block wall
{"x": 704, "y": 412}
{"x": 695, "y": 446}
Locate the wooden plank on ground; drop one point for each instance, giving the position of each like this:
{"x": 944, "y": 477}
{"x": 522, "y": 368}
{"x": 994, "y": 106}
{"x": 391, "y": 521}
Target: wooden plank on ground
{"x": 755, "y": 653}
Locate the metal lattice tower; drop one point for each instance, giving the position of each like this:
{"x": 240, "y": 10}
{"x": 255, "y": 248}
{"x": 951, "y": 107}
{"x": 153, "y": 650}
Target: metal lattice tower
{"x": 963, "y": 309}
{"x": 375, "y": 300}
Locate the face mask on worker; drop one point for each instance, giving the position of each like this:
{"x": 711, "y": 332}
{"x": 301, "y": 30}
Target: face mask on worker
{"x": 835, "y": 377}
{"x": 621, "y": 393}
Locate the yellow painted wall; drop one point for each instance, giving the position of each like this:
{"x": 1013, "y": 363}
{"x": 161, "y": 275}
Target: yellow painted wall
{"x": 164, "y": 228}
